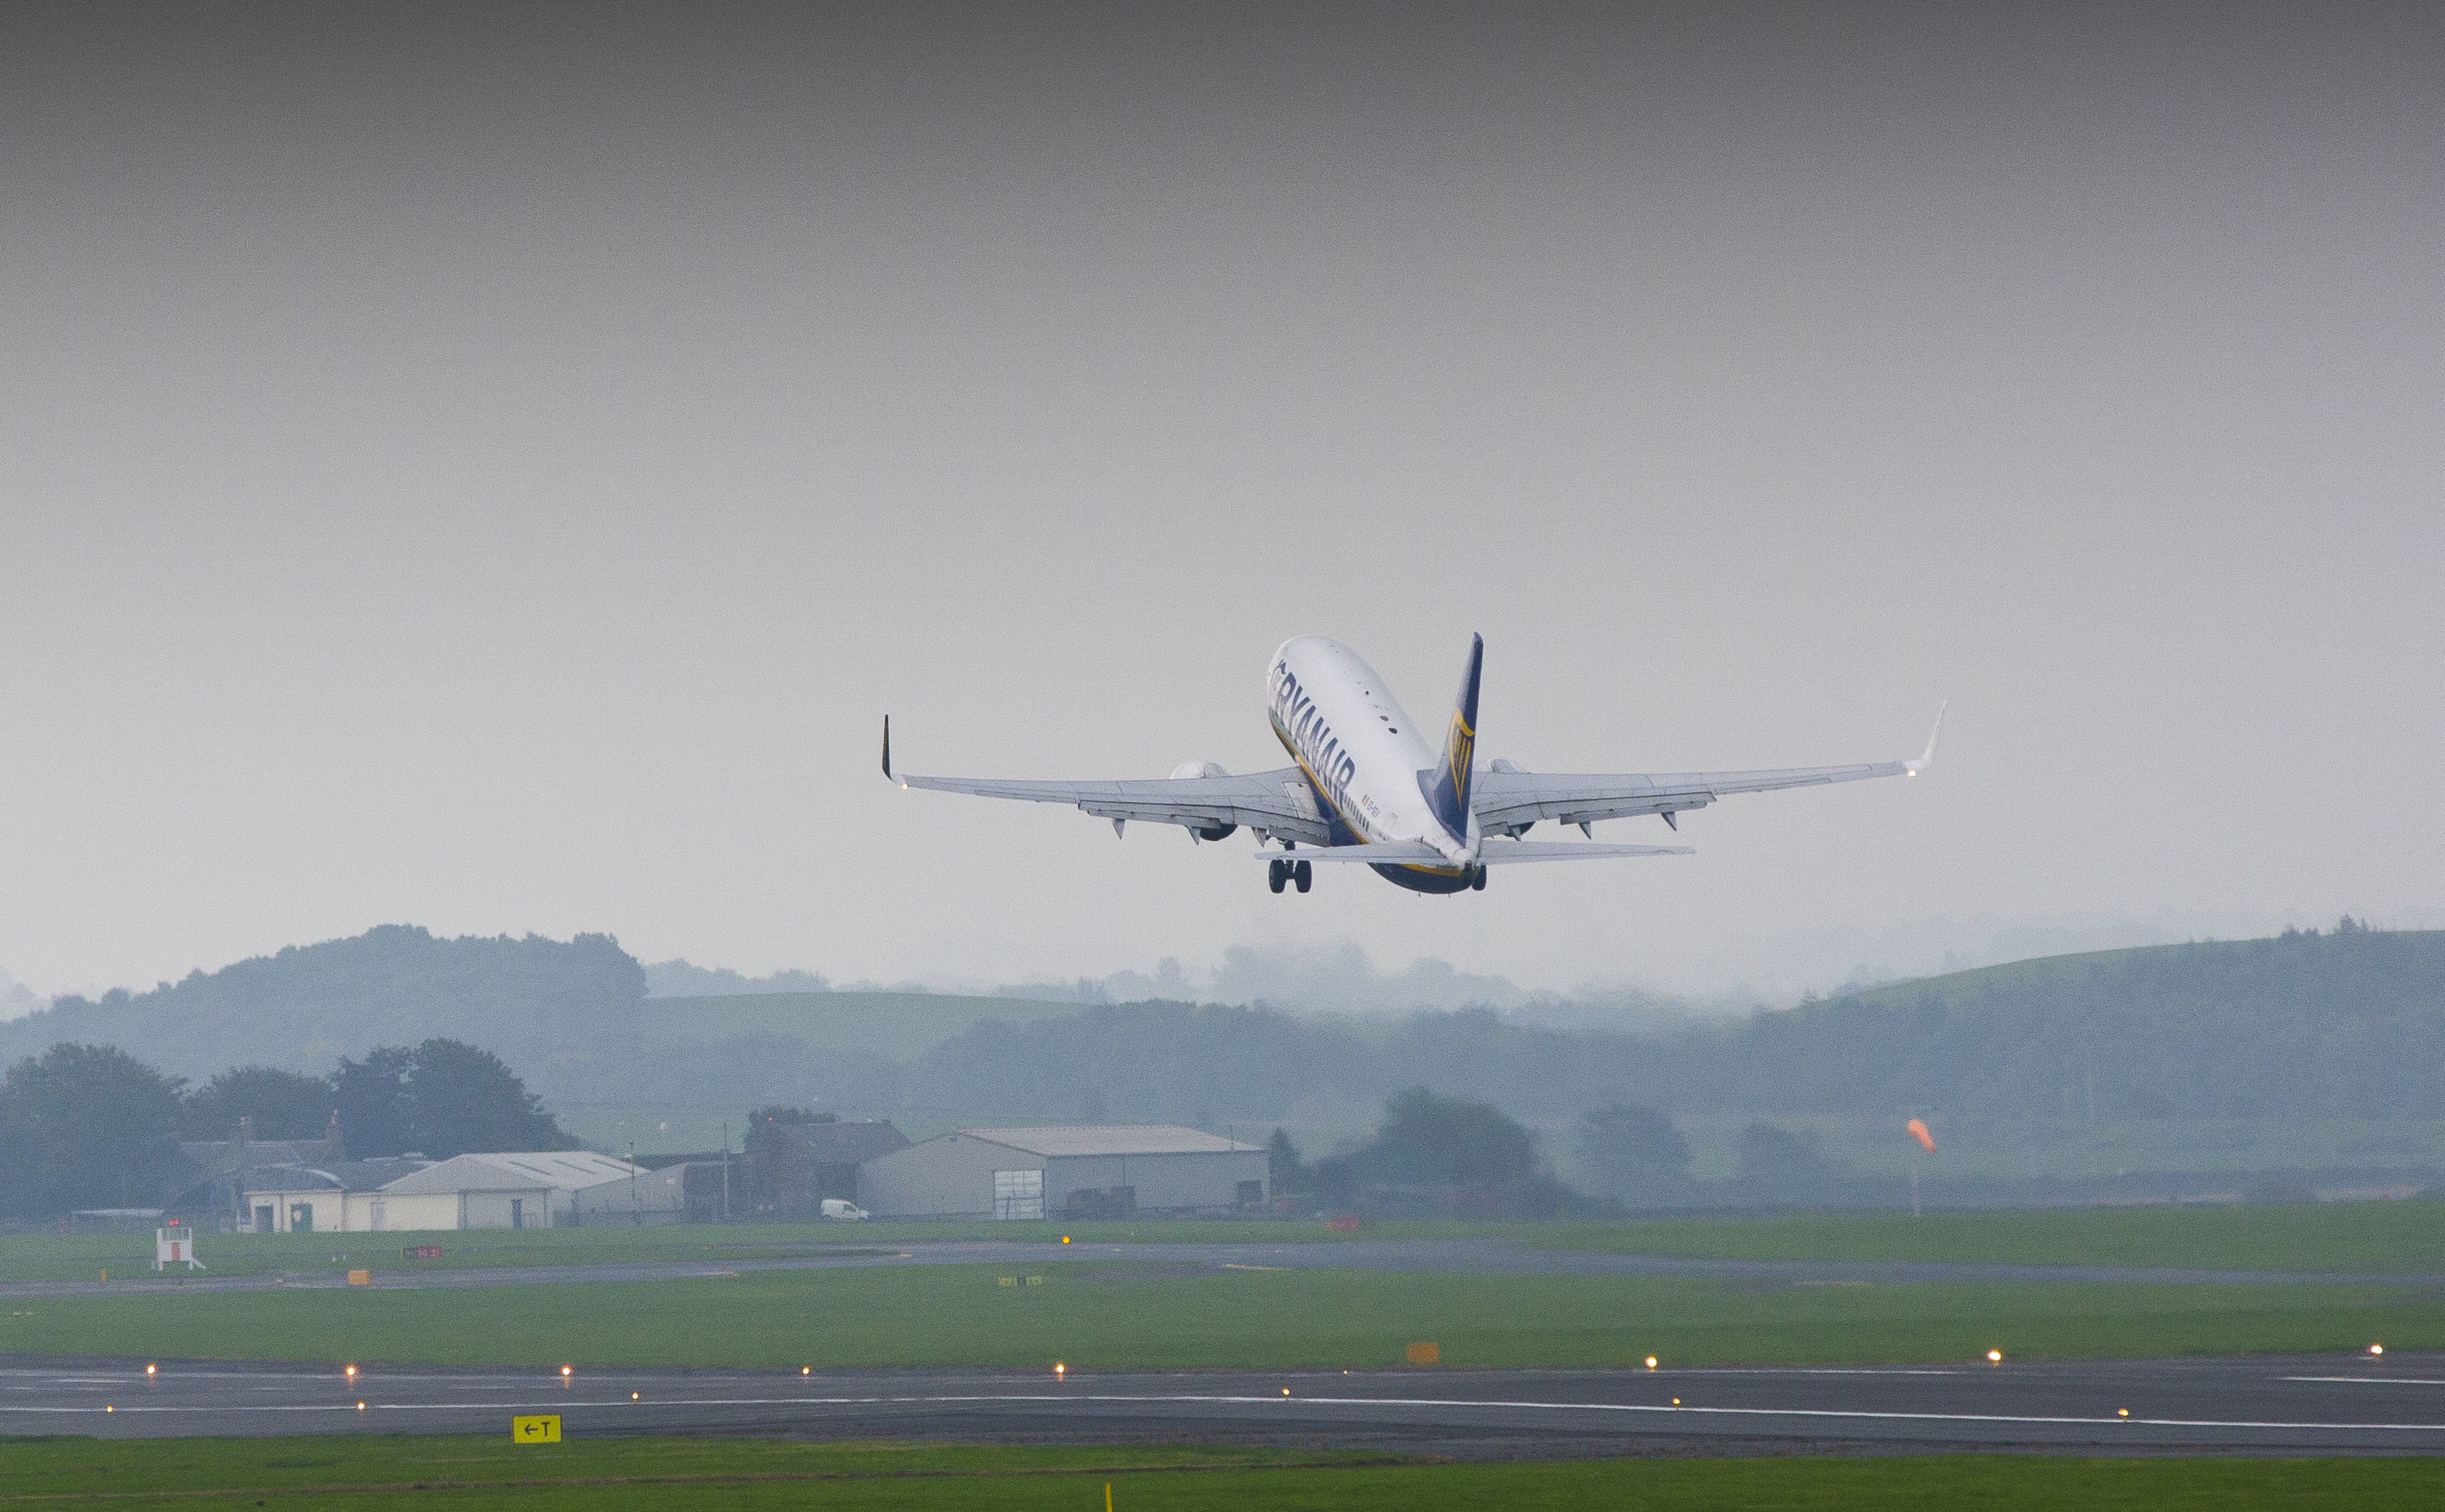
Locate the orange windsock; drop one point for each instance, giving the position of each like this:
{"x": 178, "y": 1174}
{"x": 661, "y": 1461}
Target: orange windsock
{"x": 1916, "y": 1128}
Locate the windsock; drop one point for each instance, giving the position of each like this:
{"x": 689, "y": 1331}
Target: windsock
{"x": 1916, "y": 1128}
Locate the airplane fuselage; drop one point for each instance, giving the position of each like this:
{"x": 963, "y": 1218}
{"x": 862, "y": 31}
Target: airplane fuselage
{"x": 1369, "y": 764}
{"x": 1371, "y": 787}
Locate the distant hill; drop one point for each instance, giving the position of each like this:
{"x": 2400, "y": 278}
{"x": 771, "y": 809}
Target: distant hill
{"x": 2347, "y": 1025}
{"x": 842, "y": 1049}
{"x": 889, "y": 1025}
{"x": 309, "y": 1005}
{"x": 676, "y": 977}
{"x": 2342, "y": 1025}
{"x": 572, "y": 1017}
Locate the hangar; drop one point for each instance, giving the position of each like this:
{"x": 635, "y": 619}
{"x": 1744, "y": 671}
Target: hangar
{"x": 514, "y": 1190}
{"x": 1107, "y": 1171}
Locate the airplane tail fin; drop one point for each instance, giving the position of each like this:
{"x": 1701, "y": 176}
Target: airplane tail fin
{"x": 1448, "y": 794}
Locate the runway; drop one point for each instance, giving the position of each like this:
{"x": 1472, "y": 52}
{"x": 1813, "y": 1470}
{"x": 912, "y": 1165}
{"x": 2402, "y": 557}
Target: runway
{"x": 1467, "y": 1256}
{"x": 2259, "y": 1405}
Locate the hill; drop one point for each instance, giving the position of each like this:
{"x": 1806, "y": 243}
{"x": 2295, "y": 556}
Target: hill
{"x": 2346, "y": 1025}
{"x": 309, "y": 1005}
{"x": 2349, "y": 1024}
{"x": 572, "y": 1017}
{"x": 2341, "y": 1026}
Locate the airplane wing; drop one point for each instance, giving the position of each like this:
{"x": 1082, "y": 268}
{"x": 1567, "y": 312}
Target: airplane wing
{"x": 1507, "y": 800}
{"x": 1278, "y": 802}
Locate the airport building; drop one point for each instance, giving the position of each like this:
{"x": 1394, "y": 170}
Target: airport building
{"x": 792, "y": 1167}
{"x": 659, "y": 1196}
{"x": 1092, "y": 1172}
{"x": 520, "y": 1189}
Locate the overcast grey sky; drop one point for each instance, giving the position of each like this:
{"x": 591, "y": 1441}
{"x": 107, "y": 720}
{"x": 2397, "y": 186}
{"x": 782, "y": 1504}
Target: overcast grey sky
{"x": 495, "y": 468}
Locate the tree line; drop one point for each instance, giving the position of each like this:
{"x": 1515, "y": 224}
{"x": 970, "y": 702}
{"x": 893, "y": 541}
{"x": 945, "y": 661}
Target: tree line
{"x": 90, "y": 1125}
{"x": 1433, "y": 1154}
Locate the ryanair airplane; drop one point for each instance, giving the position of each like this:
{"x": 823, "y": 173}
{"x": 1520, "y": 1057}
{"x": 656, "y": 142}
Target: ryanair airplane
{"x": 1369, "y": 787}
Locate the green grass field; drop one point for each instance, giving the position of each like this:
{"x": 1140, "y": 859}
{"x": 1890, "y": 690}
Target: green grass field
{"x": 2398, "y": 1238}
{"x": 1145, "y": 1316}
{"x": 682, "y": 1475}
{"x": 83, "y": 1257}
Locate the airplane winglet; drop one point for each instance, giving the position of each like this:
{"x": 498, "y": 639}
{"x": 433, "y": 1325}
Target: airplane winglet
{"x": 887, "y": 750}
{"x": 1927, "y": 757}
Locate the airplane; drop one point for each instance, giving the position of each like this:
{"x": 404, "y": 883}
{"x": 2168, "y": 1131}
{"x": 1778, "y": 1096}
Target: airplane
{"x": 1366, "y": 788}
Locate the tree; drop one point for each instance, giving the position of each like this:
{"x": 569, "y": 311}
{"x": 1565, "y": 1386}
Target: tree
{"x": 1285, "y": 1173}
{"x": 461, "y": 1098}
{"x": 782, "y": 1114}
{"x": 1449, "y": 1141}
{"x": 1631, "y": 1151}
{"x": 87, "y": 1126}
{"x": 371, "y": 1096}
{"x": 442, "y": 1098}
{"x": 280, "y": 1104}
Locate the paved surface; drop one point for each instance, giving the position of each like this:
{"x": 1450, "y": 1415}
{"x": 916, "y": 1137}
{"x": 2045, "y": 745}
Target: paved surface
{"x": 1475, "y": 1256}
{"x": 2323, "y": 1405}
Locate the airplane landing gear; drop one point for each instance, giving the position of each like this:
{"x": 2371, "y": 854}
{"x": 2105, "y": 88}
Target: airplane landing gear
{"x": 1303, "y": 872}
{"x": 1276, "y": 875}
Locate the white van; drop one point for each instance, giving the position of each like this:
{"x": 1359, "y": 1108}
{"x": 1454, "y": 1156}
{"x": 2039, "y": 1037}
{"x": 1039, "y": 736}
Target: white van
{"x": 842, "y": 1208}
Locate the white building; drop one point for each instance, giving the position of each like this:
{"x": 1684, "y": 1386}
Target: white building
{"x": 524, "y": 1189}
{"x": 1107, "y": 1171}
{"x": 643, "y": 1197}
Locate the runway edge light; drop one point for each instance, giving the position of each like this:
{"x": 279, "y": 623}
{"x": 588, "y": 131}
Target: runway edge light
{"x": 1994, "y": 1356}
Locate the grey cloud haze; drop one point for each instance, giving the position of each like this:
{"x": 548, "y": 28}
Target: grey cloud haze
{"x": 497, "y": 467}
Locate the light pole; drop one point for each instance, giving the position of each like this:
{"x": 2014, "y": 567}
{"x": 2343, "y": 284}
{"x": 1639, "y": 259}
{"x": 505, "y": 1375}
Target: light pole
{"x": 1923, "y": 1143}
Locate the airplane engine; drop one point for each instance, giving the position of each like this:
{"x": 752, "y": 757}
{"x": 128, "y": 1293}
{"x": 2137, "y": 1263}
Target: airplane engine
{"x": 1205, "y": 769}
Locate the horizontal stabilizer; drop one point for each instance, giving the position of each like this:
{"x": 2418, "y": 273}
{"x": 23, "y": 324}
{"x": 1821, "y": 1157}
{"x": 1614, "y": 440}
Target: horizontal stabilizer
{"x": 1496, "y": 853}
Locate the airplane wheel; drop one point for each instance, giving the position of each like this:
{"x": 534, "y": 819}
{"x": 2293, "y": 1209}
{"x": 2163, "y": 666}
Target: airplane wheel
{"x": 1275, "y": 874}
{"x": 1304, "y": 873}
{"x": 1477, "y": 882}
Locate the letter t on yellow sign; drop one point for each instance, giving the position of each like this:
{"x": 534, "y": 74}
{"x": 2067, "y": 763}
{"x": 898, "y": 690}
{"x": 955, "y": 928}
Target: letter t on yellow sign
{"x": 535, "y": 1430}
